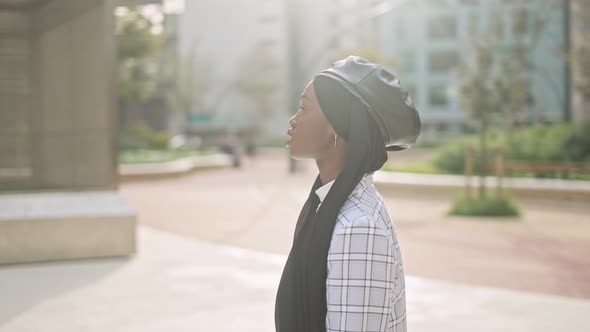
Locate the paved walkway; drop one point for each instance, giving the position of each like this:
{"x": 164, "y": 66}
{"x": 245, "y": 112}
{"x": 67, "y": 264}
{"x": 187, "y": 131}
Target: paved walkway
{"x": 256, "y": 207}
{"x": 178, "y": 284}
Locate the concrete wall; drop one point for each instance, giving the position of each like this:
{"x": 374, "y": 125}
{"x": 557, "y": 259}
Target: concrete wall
{"x": 15, "y": 96}
{"x": 73, "y": 104}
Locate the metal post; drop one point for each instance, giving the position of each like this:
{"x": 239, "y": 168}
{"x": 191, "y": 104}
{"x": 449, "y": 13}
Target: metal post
{"x": 468, "y": 171}
{"x": 567, "y": 64}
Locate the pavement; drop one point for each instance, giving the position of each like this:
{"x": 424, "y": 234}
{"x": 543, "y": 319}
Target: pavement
{"x": 256, "y": 207}
{"x": 181, "y": 284}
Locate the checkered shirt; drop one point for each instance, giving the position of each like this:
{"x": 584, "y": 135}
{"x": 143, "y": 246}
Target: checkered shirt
{"x": 365, "y": 288}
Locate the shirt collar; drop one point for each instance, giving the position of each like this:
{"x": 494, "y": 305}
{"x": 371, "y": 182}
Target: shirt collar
{"x": 322, "y": 191}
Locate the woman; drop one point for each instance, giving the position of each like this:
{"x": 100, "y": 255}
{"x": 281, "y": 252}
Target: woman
{"x": 344, "y": 271}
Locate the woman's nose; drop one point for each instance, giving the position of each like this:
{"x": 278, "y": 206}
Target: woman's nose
{"x": 293, "y": 121}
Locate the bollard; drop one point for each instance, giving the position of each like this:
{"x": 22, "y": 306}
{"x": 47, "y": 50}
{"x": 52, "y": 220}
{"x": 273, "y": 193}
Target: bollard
{"x": 468, "y": 171}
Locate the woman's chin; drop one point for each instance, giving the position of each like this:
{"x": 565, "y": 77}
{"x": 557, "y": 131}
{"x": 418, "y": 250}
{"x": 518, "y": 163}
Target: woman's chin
{"x": 293, "y": 152}
{"x": 298, "y": 155}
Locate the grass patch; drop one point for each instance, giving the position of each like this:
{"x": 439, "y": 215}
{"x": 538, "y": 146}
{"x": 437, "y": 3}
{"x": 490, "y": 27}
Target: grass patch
{"x": 140, "y": 156}
{"x": 491, "y": 206}
{"x": 430, "y": 167}
{"x": 428, "y": 144}
{"x": 421, "y": 168}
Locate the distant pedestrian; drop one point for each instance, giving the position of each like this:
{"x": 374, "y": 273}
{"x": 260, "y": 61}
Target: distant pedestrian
{"x": 344, "y": 271}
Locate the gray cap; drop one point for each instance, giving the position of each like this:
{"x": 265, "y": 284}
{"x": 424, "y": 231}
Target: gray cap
{"x": 379, "y": 90}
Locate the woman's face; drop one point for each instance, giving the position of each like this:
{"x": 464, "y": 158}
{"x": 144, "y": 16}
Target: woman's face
{"x": 310, "y": 134}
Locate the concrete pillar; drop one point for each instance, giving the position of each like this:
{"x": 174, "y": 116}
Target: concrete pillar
{"x": 74, "y": 126}
{"x": 57, "y": 90}
{"x": 15, "y": 98}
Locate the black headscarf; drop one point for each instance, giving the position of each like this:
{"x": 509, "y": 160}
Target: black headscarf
{"x": 301, "y": 298}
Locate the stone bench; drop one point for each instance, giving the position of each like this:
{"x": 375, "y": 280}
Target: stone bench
{"x": 65, "y": 225}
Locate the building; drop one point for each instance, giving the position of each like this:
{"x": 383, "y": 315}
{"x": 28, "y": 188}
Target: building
{"x": 229, "y": 44}
{"x": 58, "y": 129}
{"x": 429, "y": 38}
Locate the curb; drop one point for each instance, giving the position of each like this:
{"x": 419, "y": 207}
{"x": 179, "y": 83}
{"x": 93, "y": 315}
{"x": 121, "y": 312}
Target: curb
{"x": 173, "y": 168}
{"x": 455, "y": 184}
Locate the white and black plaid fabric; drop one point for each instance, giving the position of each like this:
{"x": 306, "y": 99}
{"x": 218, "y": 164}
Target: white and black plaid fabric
{"x": 365, "y": 285}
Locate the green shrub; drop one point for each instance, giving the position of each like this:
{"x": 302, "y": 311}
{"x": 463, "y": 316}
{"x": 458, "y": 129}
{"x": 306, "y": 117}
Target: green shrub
{"x": 491, "y": 206}
{"x": 130, "y": 141}
{"x": 427, "y": 144}
{"x": 141, "y": 136}
{"x": 577, "y": 145}
{"x": 451, "y": 156}
{"x": 541, "y": 143}
{"x": 563, "y": 143}
{"x": 157, "y": 156}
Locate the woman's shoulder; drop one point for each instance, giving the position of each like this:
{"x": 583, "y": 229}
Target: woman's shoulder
{"x": 364, "y": 211}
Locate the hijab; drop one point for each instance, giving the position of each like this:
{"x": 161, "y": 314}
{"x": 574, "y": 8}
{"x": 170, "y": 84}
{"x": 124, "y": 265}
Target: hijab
{"x": 301, "y": 298}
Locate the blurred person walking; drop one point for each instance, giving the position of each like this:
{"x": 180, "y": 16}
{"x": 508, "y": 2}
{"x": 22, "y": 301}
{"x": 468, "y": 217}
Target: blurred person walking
{"x": 344, "y": 271}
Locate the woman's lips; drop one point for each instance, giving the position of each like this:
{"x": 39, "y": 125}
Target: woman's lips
{"x": 289, "y": 135}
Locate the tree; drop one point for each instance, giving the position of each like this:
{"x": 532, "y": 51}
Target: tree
{"x": 479, "y": 96}
{"x": 581, "y": 52}
{"x": 260, "y": 77}
{"x": 188, "y": 82}
{"x": 137, "y": 47}
{"x": 492, "y": 80}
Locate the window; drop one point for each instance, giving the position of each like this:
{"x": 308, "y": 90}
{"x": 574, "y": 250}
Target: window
{"x": 520, "y": 22}
{"x": 442, "y": 61}
{"x": 407, "y": 62}
{"x": 438, "y": 95}
{"x": 443, "y": 27}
